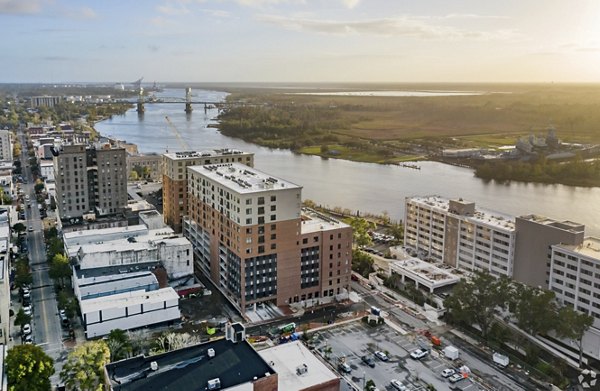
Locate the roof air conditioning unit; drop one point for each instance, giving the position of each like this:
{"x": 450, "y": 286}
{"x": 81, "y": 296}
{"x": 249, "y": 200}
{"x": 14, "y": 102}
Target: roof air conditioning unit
{"x": 211, "y": 353}
{"x": 214, "y": 384}
{"x": 154, "y": 366}
{"x": 302, "y": 369}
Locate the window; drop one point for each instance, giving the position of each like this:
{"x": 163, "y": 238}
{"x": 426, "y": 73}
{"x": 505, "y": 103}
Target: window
{"x": 248, "y": 211}
{"x": 249, "y": 201}
{"x": 261, "y": 220}
{"x": 273, "y": 227}
{"x": 261, "y": 210}
{"x": 273, "y": 217}
{"x": 261, "y": 249}
{"x": 273, "y": 208}
{"x": 273, "y": 198}
{"x": 248, "y": 221}
{"x": 261, "y": 200}
{"x": 273, "y": 246}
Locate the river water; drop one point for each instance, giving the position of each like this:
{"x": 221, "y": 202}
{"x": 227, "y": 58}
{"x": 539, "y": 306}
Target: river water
{"x": 358, "y": 186}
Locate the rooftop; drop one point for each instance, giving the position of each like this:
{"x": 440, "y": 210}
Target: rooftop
{"x": 190, "y": 368}
{"x": 286, "y": 359}
{"x": 128, "y": 299}
{"x": 433, "y": 276}
{"x": 242, "y": 179}
{"x": 111, "y": 271}
{"x": 481, "y": 216}
{"x": 313, "y": 221}
{"x": 589, "y": 248}
{"x": 200, "y": 154}
{"x": 566, "y": 225}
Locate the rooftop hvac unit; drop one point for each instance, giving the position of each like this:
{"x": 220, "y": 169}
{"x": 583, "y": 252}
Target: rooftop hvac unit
{"x": 211, "y": 353}
{"x": 302, "y": 369}
{"x": 154, "y": 366}
{"x": 214, "y": 384}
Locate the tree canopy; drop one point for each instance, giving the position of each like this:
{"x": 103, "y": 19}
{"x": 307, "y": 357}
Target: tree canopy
{"x": 360, "y": 230}
{"x": 28, "y": 368}
{"x": 84, "y": 369}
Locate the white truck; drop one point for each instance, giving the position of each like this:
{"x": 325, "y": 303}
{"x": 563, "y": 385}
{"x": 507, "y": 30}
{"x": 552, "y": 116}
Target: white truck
{"x": 451, "y": 352}
{"x": 500, "y": 360}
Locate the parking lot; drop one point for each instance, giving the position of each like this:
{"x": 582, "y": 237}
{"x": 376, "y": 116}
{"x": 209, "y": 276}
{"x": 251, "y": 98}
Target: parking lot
{"x": 353, "y": 341}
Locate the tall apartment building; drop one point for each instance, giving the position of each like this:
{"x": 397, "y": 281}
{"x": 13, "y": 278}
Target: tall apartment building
{"x": 90, "y": 179}
{"x": 251, "y": 238}
{"x": 175, "y": 182}
{"x": 458, "y": 234}
{"x": 6, "y": 150}
{"x": 45, "y": 101}
{"x": 535, "y": 236}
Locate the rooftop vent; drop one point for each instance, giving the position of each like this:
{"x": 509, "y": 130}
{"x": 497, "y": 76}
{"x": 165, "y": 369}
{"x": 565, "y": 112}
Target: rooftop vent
{"x": 302, "y": 369}
{"x": 211, "y": 353}
{"x": 214, "y": 384}
{"x": 154, "y": 366}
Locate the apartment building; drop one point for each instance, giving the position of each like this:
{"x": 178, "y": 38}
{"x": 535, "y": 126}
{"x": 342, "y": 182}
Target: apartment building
{"x": 45, "y": 101}
{"x": 175, "y": 177}
{"x": 535, "y": 236}
{"x": 458, "y": 234}
{"x": 6, "y": 150}
{"x": 251, "y": 238}
{"x": 151, "y": 164}
{"x": 90, "y": 179}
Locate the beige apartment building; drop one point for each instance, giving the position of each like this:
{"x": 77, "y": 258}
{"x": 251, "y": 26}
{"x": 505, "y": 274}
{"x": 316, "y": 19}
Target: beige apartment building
{"x": 174, "y": 177}
{"x": 458, "y": 234}
{"x": 89, "y": 179}
{"x": 252, "y": 239}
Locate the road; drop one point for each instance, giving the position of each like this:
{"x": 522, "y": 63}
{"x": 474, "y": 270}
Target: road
{"x": 47, "y": 332}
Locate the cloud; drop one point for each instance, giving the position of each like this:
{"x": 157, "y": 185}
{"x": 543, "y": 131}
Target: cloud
{"x": 80, "y": 13}
{"x": 399, "y": 26}
{"x": 56, "y": 58}
{"x": 172, "y": 9}
{"x": 350, "y": 3}
{"x": 216, "y": 13}
{"x": 20, "y": 6}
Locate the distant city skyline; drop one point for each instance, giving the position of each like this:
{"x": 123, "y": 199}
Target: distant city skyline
{"x": 300, "y": 41}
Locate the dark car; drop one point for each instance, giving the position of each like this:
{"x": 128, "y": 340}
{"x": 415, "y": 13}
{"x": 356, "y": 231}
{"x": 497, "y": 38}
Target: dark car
{"x": 369, "y": 361}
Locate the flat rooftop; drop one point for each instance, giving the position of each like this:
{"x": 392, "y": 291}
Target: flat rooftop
{"x": 313, "y": 221}
{"x": 242, "y": 179}
{"x": 426, "y": 273}
{"x": 127, "y": 299}
{"x": 110, "y": 271}
{"x": 589, "y": 248}
{"x": 482, "y": 216}
{"x": 287, "y": 358}
{"x": 566, "y": 225}
{"x": 183, "y": 155}
{"x": 190, "y": 368}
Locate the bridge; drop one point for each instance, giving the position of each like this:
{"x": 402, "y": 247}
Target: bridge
{"x": 188, "y": 101}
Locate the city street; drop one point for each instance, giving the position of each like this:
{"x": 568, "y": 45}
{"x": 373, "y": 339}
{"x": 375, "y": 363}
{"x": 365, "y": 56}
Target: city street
{"x": 47, "y": 332}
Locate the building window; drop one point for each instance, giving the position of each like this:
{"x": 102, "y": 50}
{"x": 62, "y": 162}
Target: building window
{"x": 261, "y": 220}
{"x": 273, "y": 198}
{"x": 261, "y": 249}
{"x": 261, "y": 200}
{"x": 273, "y": 217}
{"x": 248, "y": 221}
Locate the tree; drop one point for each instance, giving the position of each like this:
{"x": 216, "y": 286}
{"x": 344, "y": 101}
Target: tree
{"x": 39, "y": 186}
{"x": 22, "y": 318}
{"x": 476, "y": 301}
{"x": 534, "y": 309}
{"x": 67, "y": 302}
{"x": 360, "y": 230}
{"x": 28, "y": 368}
{"x": 324, "y": 149}
{"x": 362, "y": 263}
{"x": 168, "y": 341}
{"x": 60, "y": 268}
{"x": 22, "y": 273}
{"x": 119, "y": 344}
{"x": 573, "y": 325}
{"x": 84, "y": 368}
{"x": 397, "y": 231}
{"x": 19, "y": 227}
{"x": 369, "y": 385}
{"x": 133, "y": 175}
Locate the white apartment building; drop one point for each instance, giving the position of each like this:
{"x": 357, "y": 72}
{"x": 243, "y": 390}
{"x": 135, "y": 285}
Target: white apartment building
{"x": 129, "y": 310}
{"x": 126, "y": 246}
{"x": 6, "y": 148}
{"x": 456, "y": 233}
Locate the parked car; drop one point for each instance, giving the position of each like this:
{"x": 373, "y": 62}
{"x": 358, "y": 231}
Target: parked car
{"x": 448, "y": 372}
{"x": 27, "y": 339}
{"x": 419, "y": 354}
{"x": 456, "y": 378}
{"x": 26, "y": 293}
{"x": 397, "y": 384}
{"x": 26, "y": 329}
{"x": 369, "y": 361}
{"x": 30, "y": 229}
{"x": 345, "y": 368}
{"x": 381, "y": 355}
{"x": 27, "y": 310}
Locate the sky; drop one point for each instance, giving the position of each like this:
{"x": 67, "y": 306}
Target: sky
{"x": 300, "y": 41}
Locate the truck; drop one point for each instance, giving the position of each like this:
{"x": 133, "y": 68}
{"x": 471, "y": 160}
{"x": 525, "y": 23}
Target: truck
{"x": 500, "y": 360}
{"x": 451, "y": 353}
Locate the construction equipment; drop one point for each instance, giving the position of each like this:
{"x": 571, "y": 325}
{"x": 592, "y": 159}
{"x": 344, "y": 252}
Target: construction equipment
{"x": 183, "y": 143}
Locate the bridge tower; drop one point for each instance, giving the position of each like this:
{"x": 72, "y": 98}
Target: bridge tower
{"x": 140, "y": 102}
{"x": 188, "y": 100}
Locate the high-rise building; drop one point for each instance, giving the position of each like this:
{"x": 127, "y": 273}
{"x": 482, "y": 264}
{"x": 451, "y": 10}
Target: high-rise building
{"x": 252, "y": 239}
{"x": 6, "y": 150}
{"x": 535, "y": 236}
{"x": 90, "y": 179}
{"x": 175, "y": 177}
{"x": 45, "y": 101}
{"x": 456, "y": 233}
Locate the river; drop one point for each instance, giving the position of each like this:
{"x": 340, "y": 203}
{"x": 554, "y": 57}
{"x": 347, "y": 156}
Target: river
{"x": 358, "y": 186}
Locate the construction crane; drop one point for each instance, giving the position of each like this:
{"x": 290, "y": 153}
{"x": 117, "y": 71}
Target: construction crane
{"x": 183, "y": 143}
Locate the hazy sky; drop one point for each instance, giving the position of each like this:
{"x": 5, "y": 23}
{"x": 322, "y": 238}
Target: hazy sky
{"x": 300, "y": 40}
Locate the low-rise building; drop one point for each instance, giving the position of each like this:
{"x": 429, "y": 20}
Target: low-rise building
{"x": 150, "y": 165}
{"x": 424, "y": 275}
{"x": 129, "y": 310}
{"x": 224, "y": 364}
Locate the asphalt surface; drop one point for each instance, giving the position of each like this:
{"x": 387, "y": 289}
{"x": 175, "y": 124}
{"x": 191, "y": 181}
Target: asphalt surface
{"x": 46, "y": 329}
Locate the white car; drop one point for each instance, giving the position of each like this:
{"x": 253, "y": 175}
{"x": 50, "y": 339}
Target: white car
{"x": 397, "y": 384}
{"x": 448, "y": 372}
{"x": 26, "y": 329}
{"x": 27, "y": 310}
{"x": 381, "y": 355}
{"x": 419, "y": 353}
{"x": 456, "y": 378}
